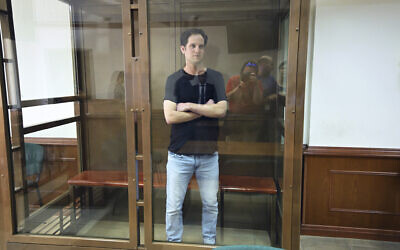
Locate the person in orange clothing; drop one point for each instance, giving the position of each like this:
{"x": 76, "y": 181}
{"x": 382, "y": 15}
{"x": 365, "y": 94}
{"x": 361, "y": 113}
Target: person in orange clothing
{"x": 245, "y": 98}
{"x": 244, "y": 91}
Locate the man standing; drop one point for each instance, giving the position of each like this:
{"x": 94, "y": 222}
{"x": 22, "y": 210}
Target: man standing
{"x": 270, "y": 131}
{"x": 194, "y": 100}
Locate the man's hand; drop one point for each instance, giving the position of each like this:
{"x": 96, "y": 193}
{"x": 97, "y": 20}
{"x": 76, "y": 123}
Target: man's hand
{"x": 186, "y": 106}
{"x": 209, "y": 109}
{"x": 183, "y": 107}
{"x": 172, "y": 116}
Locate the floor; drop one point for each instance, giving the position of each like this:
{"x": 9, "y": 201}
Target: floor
{"x": 111, "y": 221}
{"x": 225, "y": 236}
{"x": 113, "y": 227}
{"x": 329, "y": 243}
{"x": 234, "y": 236}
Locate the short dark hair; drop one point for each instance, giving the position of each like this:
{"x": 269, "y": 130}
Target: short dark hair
{"x": 187, "y": 33}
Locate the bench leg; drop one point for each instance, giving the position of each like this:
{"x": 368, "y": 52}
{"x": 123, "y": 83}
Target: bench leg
{"x": 73, "y": 193}
{"x": 73, "y": 214}
{"x": 272, "y": 233}
{"x": 61, "y": 221}
{"x": 91, "y": 200}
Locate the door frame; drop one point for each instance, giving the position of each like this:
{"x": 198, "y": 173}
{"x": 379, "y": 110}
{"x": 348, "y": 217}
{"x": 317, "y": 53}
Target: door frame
{"x": 21, "y": 241}
{"x": 294, "y": 117}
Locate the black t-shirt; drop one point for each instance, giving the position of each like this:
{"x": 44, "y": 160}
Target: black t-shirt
{"x": 198, "y": 136}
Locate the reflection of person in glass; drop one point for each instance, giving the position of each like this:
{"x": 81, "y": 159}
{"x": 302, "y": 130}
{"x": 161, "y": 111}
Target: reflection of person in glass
{"x": 270, "y": 91}
{"x": 244, "y": 91}
{"x": 268, "y": 82}
{"x": 244, "y": 94}
{"x": 281, "y": 98}
{"x": 194, "y": 100}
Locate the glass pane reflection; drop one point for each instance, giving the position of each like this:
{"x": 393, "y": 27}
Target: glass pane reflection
{"x": 247, "y": 44}
{"x": 54, "y": 191}
{"x": 44, "y": 47}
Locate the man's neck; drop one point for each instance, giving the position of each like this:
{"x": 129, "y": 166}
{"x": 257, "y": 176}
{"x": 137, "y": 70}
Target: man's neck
{"x": 194, "y": 69}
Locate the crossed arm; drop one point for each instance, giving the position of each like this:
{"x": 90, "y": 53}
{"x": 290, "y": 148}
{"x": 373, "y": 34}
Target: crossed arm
{"x": 184, "y": 112}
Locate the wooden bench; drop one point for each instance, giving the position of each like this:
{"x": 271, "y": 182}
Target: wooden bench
{"x": 227, "y": 183}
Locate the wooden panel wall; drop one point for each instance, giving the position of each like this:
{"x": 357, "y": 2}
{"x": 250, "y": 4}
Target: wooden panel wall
{"x": 104, "y": 135}
{"x": 351, "y": 192}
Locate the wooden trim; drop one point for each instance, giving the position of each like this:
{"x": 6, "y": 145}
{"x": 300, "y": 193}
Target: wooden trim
{"x": 299, "y": 122}
{"x": 361, "y": 211}
{"x": 334, "y": 171}
{"x": 47, "y": 125}
{"x": 141, "y": 36}
{"x": 290, "y": 191}
{"x": 350, "y": 232}
{"x": 69, "y": 241}
{"x": 5, "y": 192}
{"x": 52, "y": 141}
{"x": 3, "y": 12}
{"x": 352, "y": 151}
{"x": 178, "y": 246}
{"x": 46, "y": 101}
{"x": 130, "y": 97}
{"x": 20, "y": 246}
{"x": 95, "y": 25}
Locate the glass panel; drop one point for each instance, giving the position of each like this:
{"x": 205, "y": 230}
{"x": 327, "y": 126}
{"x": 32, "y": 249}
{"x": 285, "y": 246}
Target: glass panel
{"x": 7, "y": 42}
{"x": 42, "y": 199}
{"x": 44, "y": 48}
{"x": 78, "y": 183}
{"x": 248, "y": 46}
{"x": 9, "y": 63}
{"x": 51, "y": 113}
{"x": 56, "y": 205}
{"x": 11, "y": 86}
{"x": 98, "y": 29}
{"x": 3, "y": 5}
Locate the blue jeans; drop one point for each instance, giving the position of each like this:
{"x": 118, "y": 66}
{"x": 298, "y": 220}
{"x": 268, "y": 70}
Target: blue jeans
{"x": 180, "y": 169}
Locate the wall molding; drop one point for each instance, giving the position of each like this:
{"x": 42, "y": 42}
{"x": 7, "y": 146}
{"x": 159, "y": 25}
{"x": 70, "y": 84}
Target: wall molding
{"x": 352, "y": 151}
{"x": 350, "y": 232}
{"x": 332, "y": 172}
{"x": 52, "y": 141}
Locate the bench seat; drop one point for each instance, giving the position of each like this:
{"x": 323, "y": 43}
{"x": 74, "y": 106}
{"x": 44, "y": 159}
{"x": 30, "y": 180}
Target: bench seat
{"x": 232, "y": 183}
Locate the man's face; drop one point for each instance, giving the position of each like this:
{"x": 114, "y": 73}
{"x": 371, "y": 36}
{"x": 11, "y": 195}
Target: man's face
{"x": 194, "y": 49}
{"x": 264, "y": 68}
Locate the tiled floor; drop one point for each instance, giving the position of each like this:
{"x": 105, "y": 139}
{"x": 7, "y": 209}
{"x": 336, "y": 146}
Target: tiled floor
{"x": 232, "y": 236}
{"x": 225, "y": 236}
{"x": 111, "y": 221}
{"x": 330, "y": 243}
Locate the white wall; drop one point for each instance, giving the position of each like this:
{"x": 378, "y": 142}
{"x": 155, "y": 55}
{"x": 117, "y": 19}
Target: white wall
{"x": 355, "y": 81}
